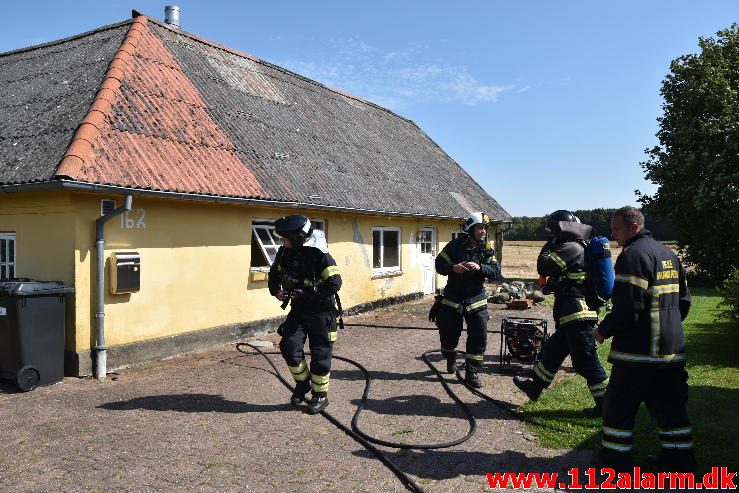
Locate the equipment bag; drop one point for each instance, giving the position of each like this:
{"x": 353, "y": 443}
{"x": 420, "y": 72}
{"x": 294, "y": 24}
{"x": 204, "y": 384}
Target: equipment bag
{"x": 601, "y": 276}
{"x": 434, "y": 311}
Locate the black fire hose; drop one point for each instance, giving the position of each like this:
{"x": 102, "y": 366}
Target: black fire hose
{"x": 409, "y": 484}
{"x": 367, "y": 440}
{"x": 467, "y": 411}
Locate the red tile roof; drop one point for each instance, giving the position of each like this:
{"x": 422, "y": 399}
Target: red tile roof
{"x": 144, "y": 74}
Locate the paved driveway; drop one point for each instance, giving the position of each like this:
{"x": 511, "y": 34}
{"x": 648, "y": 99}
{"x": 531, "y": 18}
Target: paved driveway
{"x": 219, "y": 421}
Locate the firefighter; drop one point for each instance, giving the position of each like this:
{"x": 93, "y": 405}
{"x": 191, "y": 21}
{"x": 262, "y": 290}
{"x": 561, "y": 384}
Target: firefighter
{"x": 563, "y": 262}
{"x": 650, "y": 301}
{"x": 305, "y": 275}
{"x": 468, "y": 260}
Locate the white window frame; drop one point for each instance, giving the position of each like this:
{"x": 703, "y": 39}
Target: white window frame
{"x": 421, "y": 241}
{"x": 5, "y": 239}
{"x": 267, "y": 225}
{"x": 384, "y": 270}
{"x": 321, "y": 223}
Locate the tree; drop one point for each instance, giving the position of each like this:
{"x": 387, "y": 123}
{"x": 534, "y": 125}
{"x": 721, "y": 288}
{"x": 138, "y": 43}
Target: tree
{"x": 525, "y": 228}
{"x": 696, "y": 164}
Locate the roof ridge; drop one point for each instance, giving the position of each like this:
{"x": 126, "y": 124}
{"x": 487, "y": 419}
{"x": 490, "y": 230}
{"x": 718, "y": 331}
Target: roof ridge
{"x": 236, "y": 52}
{"x": 68, "y": 38}
{"x": 81, "y": 147}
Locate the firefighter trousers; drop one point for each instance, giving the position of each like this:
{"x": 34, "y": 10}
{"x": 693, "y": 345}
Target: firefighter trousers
{"x": 664, "y": 390}
{"x": 449, "y": 322}
{"x": 320, "y": 330}
{"x": 576, "y": 340}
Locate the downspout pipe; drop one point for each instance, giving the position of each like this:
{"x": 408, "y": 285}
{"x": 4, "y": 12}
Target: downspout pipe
{"x": 101, "y": 355}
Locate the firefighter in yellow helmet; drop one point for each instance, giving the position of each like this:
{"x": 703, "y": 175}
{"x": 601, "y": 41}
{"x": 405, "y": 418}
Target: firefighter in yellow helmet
{"x": 467, "y": 261}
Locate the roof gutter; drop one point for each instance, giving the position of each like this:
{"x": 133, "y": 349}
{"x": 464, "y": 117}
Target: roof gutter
{"x": 79, "y": 186}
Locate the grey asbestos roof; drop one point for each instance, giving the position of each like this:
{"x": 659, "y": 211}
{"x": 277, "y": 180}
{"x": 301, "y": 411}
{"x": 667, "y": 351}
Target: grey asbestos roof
{"x": 192, "y": 116}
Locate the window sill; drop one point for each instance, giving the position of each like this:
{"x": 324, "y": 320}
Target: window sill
{"x": 258, "y": 273}
{"x": 379, "y": 274}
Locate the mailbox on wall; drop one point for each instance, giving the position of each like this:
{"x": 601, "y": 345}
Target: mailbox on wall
{"x": 125, "y": 272}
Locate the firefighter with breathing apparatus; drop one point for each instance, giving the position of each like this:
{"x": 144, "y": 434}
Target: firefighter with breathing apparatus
{"x": 467, "y": 261}
{"x": 563, "y": 262}
{"x": 305, "y": 275}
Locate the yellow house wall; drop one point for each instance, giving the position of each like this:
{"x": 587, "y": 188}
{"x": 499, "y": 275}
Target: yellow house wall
{"x": 194, "y": 269}
{"x": 195, "y": 261}
{"x": 195, "y": 265}
{"x": 43, "y": 223}
{"x": 44, "y": 234}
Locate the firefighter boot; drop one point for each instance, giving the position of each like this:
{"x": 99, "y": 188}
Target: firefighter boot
{"x": 532, "y": 387}
{"x": 318, "y": 403}
{"x": 301, "y": 388}
{"x": 596, "y": 411}
{"x": 472, "y": 378}
{"x": 451, "y": 362}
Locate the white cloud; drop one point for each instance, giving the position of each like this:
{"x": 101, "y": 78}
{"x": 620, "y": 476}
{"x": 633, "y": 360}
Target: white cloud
{"x": 396, "y": 78}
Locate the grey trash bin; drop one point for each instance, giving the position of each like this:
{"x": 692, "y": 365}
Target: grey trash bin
{"x": 32, "y": 332}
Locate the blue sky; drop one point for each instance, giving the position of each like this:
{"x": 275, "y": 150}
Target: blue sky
{"x": 548, "y": 104}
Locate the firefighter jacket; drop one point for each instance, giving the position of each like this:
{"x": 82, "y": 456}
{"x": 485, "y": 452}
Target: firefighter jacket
{"x": 650, "y": 301}
{"x": 310, "y": 270}
{"x": 562, "y": 260}
{"x": 466, "y": 290}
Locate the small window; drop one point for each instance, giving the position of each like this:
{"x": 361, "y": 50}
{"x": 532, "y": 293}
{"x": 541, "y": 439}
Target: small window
{"x": 424, "y": 241}
{"x": 264, "y": 244}
{"x": 7, "y": 256}
{"x": 319, "y": 224}
{"x": 386, "y": 250}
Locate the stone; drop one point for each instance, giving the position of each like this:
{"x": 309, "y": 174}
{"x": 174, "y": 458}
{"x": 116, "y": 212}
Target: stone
{"x": 499, "y": 298}
{"x": 537, "y": 296}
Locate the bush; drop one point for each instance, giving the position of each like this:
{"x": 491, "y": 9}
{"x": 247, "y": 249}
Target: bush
{"x": 698, "y": 278}
{"x": 730, "y": 291}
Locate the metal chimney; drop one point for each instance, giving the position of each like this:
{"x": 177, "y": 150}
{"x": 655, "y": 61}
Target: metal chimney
{"x": 172, "y": 15}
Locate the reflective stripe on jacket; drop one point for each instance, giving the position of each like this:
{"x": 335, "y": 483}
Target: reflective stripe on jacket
{"x": 650, "y": 300}
{"x": 461, "y": 287}
{"x": 565, "y": 263}
{"x": 469, "y": 305}
{"x": 308, "y": 269}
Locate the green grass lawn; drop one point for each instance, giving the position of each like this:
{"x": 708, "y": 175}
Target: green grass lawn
{"x": 713, "y": 405}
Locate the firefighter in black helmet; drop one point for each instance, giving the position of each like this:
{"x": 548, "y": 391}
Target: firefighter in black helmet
{"x": 562, "y": 261}
{"x": 305, "y": 275}
{"x": 468, "y": 260}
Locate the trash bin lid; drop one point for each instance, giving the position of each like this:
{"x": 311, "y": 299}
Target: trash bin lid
{"x": 27, "y": 287}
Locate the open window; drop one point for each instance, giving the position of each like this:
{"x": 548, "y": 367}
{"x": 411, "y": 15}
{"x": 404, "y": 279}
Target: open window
{"x": 7, "y": 256}
{"x": 385, "y": 250}
{"x": 264, "y": 242}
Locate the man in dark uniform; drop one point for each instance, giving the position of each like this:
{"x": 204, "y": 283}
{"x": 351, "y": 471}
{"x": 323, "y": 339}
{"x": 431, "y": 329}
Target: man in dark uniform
{"x": 562, "y": 261}
{"x": 305, "y": 275}
{"x": 650, "y": 301}
{"x": 468, "y": 260}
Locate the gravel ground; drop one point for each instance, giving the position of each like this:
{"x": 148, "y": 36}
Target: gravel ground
{"x": 219, "y": 421}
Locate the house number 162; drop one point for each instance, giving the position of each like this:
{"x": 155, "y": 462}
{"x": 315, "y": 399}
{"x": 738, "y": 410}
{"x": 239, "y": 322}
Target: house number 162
{"x": 128, "y": 222}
